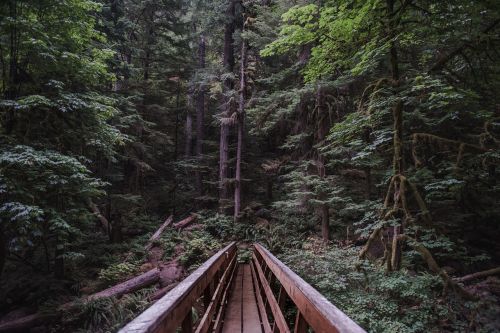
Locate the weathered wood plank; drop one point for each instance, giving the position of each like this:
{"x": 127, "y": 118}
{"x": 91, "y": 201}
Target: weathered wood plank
{"x": 273, "y": 304}
{"x": 300, "y": 324}
{"x": 223, "y": 302}
{"x": 260, "y": 302}
{"x": 187, "y": 323}
{"x": 206, "y": 320}
{"x": 251, "y": 318}
{"x": 281, "y": 302}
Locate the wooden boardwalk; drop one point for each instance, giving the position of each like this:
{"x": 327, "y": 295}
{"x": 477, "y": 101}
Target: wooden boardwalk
{"x": 232, "y": 297}
{"x": 242, "y": 313}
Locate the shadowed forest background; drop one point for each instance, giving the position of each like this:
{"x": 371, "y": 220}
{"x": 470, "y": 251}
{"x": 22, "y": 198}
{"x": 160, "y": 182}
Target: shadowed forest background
{"x": 358, "y": 140}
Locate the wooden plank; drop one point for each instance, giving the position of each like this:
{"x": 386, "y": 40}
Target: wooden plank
{"x": 281, "y": 302}
{"x": 223, "y": 303}
{"x": 206, "y": 320}
{"x": 187, "y": 323}
{"x": 167, "y": 314}
{"x": 273, "y": 304}
{"x": 251, "y": 319}
{"x": 260, "y": 302}
{"x": 319, "y": 313}
{"x": 300, "y": 324}
{"x": 233, "y": 315}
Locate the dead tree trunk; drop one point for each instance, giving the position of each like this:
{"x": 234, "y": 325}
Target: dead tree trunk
{"x": 227, "y": 109}
{"x": 200, "y": 115}
{"x": 184, "y": 223}
{"x": 158, "y": 233}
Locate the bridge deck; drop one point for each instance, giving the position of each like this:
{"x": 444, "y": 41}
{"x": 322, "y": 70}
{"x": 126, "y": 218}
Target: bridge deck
{"x": 243, "y": 298}
{"x": 242, "y": 314}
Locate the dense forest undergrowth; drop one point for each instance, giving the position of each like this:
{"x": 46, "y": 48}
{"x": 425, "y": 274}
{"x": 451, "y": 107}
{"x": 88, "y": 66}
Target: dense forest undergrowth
{"x": 358, "y": 140}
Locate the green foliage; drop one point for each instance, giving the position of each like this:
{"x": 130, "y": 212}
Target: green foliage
{"x": 401, "y": 302}
{"x": 335, "y": 31}
{"x": 107, "y": 314}
{"x": 43, "y": 193}
{"x": 117, "y": 272}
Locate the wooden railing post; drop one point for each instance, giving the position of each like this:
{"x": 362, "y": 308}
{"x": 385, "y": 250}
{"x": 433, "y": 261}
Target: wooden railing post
{"x": 281, "y": 302}
{"x": 300, "y": 323}
{"x": 187, "y": 323}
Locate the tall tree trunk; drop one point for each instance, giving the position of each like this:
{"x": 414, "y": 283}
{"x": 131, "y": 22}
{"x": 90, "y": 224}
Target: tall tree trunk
{"x": 200, "y": 114}
{"x": 228, "y": 61}
{"x": 325, "y": 223}
{"x": 11, "y": 89}
{"x": 12, "y": 81}
{"x": 59, "y": 261}
{"x": 321, "y": 132}
{"x": 189, "y": 134}
{"x": 368, "y": 170}
{"x": 3, "y": 250}
{"x": 177, "y": 109}
{"x": 241, "y": 128}
{"x": 324, "y": 209}
{"x": 398, "y": 168}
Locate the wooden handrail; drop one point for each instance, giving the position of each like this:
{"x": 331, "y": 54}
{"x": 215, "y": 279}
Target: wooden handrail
{"x": 313, "y": 309}
{"x": 174, "y": 310}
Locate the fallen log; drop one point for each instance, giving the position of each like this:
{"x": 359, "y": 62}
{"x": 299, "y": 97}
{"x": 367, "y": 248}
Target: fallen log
{"x": 478, "y": 275}
{"x": 134, "y": 284}
{"x": 184, "y": 223}
{"x": 158, "y": 233}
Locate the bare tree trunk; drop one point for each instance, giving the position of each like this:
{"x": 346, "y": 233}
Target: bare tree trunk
{"x": 398, "y": 167}
{"x": 241, "y": 128}
{"x": 321, "y": 132}
{"x": 189, "y": 134}
{"x": 11, "y": 89}
{"x": 12, "y": 82}
{"x": 368, "y": 170}
{"x": 177, "y": 107}
{"x": 325, "y": 223}
{"x": 59, "y": 261}
{"x": 228, "y": 60}
{"x": 324, "y": 209}
{"x": 200, "y": 115}
{"x": 3, "y": 250}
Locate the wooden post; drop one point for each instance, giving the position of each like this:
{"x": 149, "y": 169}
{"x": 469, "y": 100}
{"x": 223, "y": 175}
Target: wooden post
{"x": 187, "y": 323}
{"x": 300, "y": 323}
{"x": 281, "y": 303}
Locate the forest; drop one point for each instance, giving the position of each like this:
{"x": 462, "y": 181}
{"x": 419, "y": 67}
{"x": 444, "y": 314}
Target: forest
{"x": 357, "y": 140}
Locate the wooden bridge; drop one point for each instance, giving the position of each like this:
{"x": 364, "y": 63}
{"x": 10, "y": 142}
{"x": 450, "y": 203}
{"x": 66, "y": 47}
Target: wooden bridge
{"x": 223, "y": 295}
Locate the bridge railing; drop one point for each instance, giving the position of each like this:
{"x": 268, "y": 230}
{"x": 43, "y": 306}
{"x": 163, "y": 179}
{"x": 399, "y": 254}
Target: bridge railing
{"x": 209, "y": 283}
{"x": 313, "y": 309}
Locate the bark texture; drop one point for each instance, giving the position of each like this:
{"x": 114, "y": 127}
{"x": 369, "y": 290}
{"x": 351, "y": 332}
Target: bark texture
{"x": 227, "y": 109}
